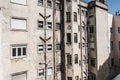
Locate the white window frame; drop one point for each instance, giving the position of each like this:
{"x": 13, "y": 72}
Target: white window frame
{"x": 49, "y": 71}
{"x": 12, "y": 25}
{"x": 17, "y": 2}
{"x": 40, "y": 71}
{"x": 40, "y": 24}
{"x": 48, "y": 47}
{"x": 49, "y": 25}
{"x": 41, "y": 46}
{"x": 16, "y": 47}
{"x": 20, "y": 73}
{"x": 40, "y": 4}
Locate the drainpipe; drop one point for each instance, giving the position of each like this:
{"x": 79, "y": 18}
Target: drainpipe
{"x": 54, "y": 38}
{"x": 81, "y": 44}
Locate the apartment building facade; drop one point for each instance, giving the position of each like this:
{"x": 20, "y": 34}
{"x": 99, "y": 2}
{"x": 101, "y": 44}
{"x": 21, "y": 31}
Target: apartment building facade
{"x": 75, "y": 40}
{"x": 61, "y": 40}
{"x": 25, "y": 38}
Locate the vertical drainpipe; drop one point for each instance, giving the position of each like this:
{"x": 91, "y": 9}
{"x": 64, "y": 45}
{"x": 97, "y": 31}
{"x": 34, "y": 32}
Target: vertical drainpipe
{"x": 54, "y": 38}
{"x": 81, "y": 43}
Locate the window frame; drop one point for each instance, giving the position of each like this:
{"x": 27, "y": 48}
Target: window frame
{"x": 40, "y": 4}
{"x": 42, "y": 73}
{"x": 12, "y": 29}
{"x": 42, "y": 47}
{"x": 16, "y": 47}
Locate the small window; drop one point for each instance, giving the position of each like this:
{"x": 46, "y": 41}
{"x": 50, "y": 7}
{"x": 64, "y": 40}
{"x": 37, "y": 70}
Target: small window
{"x": 76, "y": 77}
{"x": 111, "y": 30}
{"x": 119, "y": 45}
{"x": 75, "y": 16}
{"x": 40, "y": 72}
{"x": 40, "y": 2}
{"x": 49, "y": 25}
{"x": 118, "y": 29}
{"x": 112, "y": 62}
{"x": 18, "y": 24}
{"x": 76, "y": 58}
{"x": 49, "y": 47}
{"x": 40, "y": 24}
{"x": 49, "y": 3}
{"x": 19, "y": 76}
{"x": 91, "y": 29}
{"x": 68, "y": 16}
{"x": 49, "y": 71}
{"x": 58, "y": 67}
{"x": 69, "y": 78}
{"x": 24, "y": 2}
{"x": 18, "y": 51}
{"x": 92, "y": 45}
{"x": 92, "y": 62}
{"x": 58, "y": 6}
{"x": 40, "y": 48}
{"x": 69, "y": 59}
{"x": 75, "y": 38}
{"x": 58, "y": 47}
{"x": 68, "y": 37}
{"x": 58, "y": 26}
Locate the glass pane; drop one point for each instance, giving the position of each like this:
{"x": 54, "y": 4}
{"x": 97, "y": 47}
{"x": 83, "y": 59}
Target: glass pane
{"x": 24, "y": 51}
{"x": 13, "y": 52}
{"x": 19, "y": 51}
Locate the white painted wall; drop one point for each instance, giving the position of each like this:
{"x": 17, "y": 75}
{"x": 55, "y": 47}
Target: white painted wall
{"x": 1, "y": 52}
{"x": 102, "y": 36}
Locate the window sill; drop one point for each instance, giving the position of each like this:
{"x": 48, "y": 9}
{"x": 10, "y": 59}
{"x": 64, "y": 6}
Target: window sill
{"x": 18, "y": 58}
{"x": 19, "y": 4}
{"x": 19, "y": 30}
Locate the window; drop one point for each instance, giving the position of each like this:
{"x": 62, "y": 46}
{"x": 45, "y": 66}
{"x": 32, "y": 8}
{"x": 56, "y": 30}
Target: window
{"x": 111, "y": 30}
{"x": 49, "y": 47}
{"x": 76, "y": 58}
{"x": 75, "y": 38}
{"x": 68, "y": 17}
{"x": 58, "y": 68}
{"x": 58, "y": 6}
{"x": 20, "y": 76}
{"x": 91, "y": 29}
{"x": 49, "y": 71}
{"x": 40, "y": 24}
{"x": 75, "y": 16}
{"x": 58, "y": 47}
{"x": 40, "y": 48}
{"x": 91, "y": 76}
{"x": 112, "y": 62}
{"x": 92, "y": 62}
{"x": 58, "y": 26}
{"x": 40, "y": 2}
{"x": 68, "y": 37}
{"x": 76, "y": 77}
{"x": 18, "y": 24}
{"x": 40, "y": 72}
{"x": 92, "y": 45}
{"x": 69, "y": 59}
{"x": 118, "y": 29}
{"x": 49, "y": 25}
{"x": 24, "y": 2}
{"x": 83, "y": 44}
{"x": 49, "y": 4}
{"x": 18, "y": 51}
{"x": 69, "y": 78}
